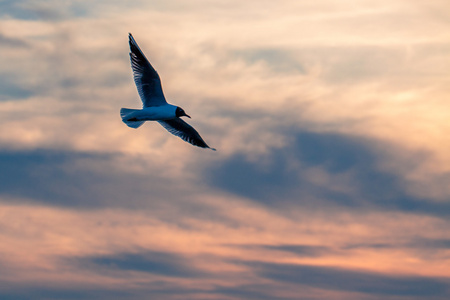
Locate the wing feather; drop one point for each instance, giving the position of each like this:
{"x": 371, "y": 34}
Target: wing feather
{"x": 185, "y": 131}
{"x": 145, "y": 76}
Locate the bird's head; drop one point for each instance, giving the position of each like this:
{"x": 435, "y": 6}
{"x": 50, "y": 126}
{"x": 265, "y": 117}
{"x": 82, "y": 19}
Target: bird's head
{"x": 180, "y": 112}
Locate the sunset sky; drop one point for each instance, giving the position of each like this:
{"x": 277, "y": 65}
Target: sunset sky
{"x": 331, "y": 178}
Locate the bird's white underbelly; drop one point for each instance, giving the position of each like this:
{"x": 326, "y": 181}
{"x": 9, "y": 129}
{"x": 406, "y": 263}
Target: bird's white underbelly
{"x": 156, "y": 113}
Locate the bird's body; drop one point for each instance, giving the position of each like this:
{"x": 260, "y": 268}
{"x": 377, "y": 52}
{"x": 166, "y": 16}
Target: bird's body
{"x": 155, "y": 106}
{"x": 152, "y": 113}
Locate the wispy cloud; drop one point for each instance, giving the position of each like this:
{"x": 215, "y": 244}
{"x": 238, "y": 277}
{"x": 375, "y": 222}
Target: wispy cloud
{"x": 335, "y": 279}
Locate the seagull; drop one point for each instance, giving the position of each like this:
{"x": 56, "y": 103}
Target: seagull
{"x": 155, "y": 106}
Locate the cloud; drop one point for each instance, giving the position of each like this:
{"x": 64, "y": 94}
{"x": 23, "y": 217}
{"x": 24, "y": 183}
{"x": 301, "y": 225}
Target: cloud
{"x": 10, "y": 90}
{"x": 320, "y": 169}
{"x": 331, "y": 175}
{"x": 75, "y": 179}
{"x": 151, "y": 262}
{"x": 150, "y": 251}
{"x": 65, "y": 293}
{"x": 28, "y": 10}
{"x": 278, "y": 60}
{"x": 356, "y": 281}
{"x": 7, "y": 41}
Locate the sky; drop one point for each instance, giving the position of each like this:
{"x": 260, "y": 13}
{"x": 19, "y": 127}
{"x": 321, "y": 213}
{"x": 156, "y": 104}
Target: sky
{"x": 331, "y": 178}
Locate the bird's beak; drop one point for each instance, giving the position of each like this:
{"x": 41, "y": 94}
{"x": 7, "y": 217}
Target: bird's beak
{"x": 187, "y": 115}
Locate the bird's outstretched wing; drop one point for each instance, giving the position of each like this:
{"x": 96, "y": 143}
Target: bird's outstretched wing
{"x": 146, "y": 78}
{"x": 185, "y": 131}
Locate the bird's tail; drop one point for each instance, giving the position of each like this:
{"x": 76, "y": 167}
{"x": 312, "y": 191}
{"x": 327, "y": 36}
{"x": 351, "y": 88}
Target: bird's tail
{"x": 126, "y": 115}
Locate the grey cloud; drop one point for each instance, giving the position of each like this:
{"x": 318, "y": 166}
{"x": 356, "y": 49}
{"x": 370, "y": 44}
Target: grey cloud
{"x": 80, "y": 180}
{"x": 42, "y": 10}
{"x": 55, "y": 11}
{"x": 148, "y": 290}
{"x": 160, "y": 263}
{"x": 298, "y": 250}
{"x": 329, "y": 278}
{"x": 53, "y": 177}
{"x": 152, "y": 290}
{"x": 12, "y": 89}
{"x": 285, "y": 177}
{"x": 302, "y": 250}
{"x": 6, "y": 41}
{"x": 25, "y": 10}
{"x": 432, "y": 243}
{"x": 418, "y": 245}
{"x": 256, "y": 292}
{"x": 26, "y": 293}
{"x": 11, "y": 8}
{"x": 335, "y": 153}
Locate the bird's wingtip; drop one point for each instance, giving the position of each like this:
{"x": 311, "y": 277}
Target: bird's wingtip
{"x": 213, "y": 149}
{"x": 131, "y": 40}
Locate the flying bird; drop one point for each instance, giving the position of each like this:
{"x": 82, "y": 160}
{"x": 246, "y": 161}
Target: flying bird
{"x": 155, "y": 106}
